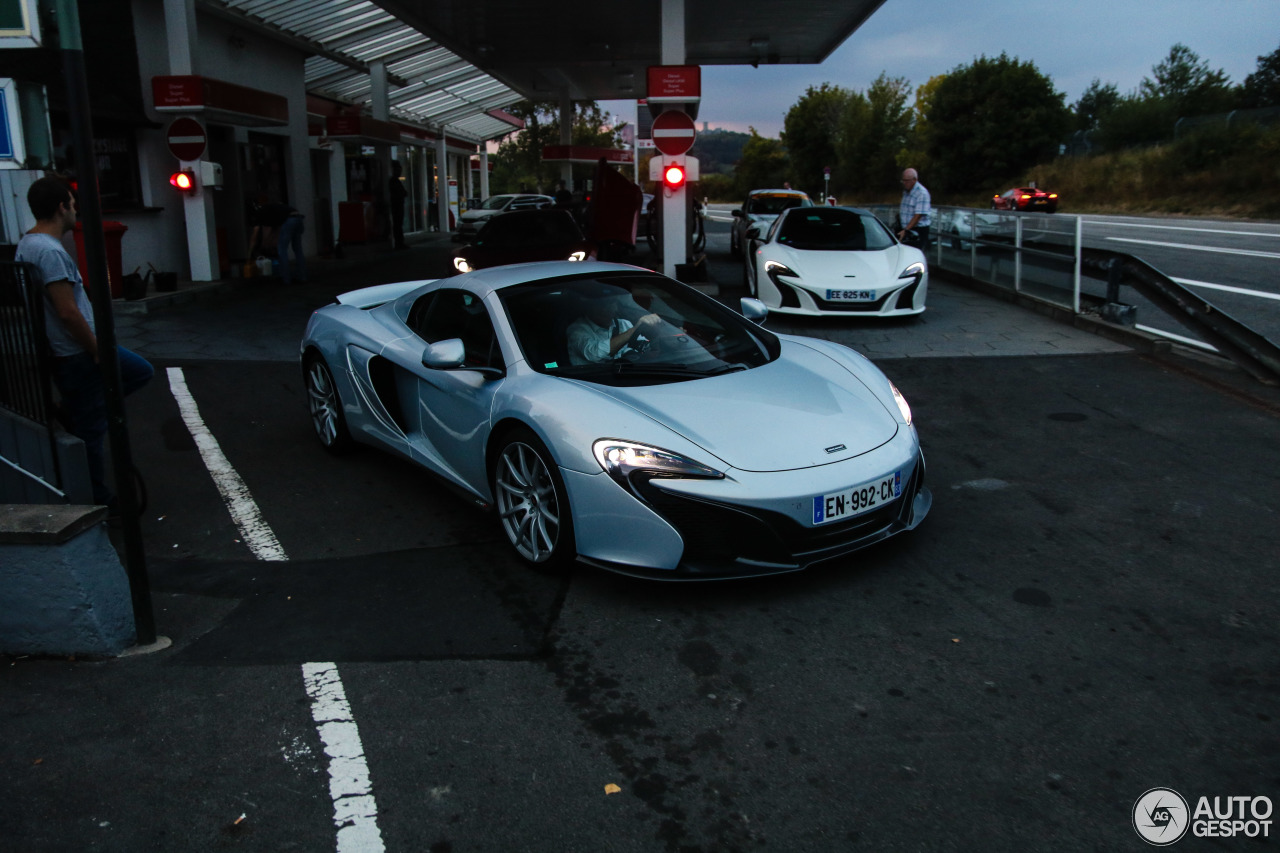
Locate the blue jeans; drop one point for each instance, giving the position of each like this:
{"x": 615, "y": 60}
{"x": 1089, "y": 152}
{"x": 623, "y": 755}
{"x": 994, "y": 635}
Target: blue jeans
{"x": 291, "y": 237}
{"x": 84, "y": 405}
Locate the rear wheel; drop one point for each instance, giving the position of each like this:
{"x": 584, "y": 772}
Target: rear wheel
{"x": 533, "y": 507}
{"x": 326, "y": 408}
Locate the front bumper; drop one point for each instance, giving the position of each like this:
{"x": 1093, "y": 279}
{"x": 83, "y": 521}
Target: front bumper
{"x": 900, "y": 299}
{"x": 673, "y": 532}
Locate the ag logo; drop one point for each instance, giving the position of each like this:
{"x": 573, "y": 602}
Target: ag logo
{"x": 1161, "y": 816}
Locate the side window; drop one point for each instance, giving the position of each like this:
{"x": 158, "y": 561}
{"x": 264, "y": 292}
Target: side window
{"x": 446, "y": 314}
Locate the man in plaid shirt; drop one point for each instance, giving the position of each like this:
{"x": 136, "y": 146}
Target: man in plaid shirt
{"x": 914, "y": 212}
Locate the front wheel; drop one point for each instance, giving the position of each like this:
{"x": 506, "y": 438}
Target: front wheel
{"x": 326, "y": 408}
{"x": 533, "y": 507}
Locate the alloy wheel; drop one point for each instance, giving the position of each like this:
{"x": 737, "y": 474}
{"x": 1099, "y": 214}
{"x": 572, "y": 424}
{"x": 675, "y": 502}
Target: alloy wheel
{"x": 528, "y": 503}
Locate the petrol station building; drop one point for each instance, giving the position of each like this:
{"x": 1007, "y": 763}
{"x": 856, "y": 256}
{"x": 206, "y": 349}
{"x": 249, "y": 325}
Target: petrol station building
{"x": 299, "y": 102}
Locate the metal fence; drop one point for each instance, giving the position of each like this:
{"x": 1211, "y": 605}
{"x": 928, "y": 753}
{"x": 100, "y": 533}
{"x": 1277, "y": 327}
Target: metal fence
{"x": 28, "y": 442}
{"x": 1034, "y": 254}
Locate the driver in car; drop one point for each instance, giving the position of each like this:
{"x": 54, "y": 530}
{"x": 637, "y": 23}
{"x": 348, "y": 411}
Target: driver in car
{"x": 600, "y": 336}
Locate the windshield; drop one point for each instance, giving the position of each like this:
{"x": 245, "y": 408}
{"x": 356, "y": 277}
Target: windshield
{"x": 771, "y": 204}
{"x": 631, "y": 329}
{"x": 833, "y": 229}
{"x": 496, "y": 202}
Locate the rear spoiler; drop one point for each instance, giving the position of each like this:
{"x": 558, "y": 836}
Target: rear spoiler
{"x": 372, "y": 297}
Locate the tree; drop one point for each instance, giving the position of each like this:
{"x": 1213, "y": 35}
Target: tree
{"x": 1188, "y": 83}
{"x": 1096, "y": 101}
{"x": 764, "y": 164}
{"x": 1262, "y": 87}
{"x": 915, "y": 153}
{"x": 874, "y": 132}
{"x": 992, "y": 120}
{"x": 518, "y": 163}
{"x": 809, "y": 134}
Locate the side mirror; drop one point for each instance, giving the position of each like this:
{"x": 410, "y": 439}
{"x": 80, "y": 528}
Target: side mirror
{"x": 444, "y": 355}
{"x": 754, "y": 310}
{"x": 737, "y": 212}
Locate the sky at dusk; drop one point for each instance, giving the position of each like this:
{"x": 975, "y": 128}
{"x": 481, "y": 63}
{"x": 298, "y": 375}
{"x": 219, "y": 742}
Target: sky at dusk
{"x": 1116, "y": 41}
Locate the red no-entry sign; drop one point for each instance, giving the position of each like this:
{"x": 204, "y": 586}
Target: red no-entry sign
{"x": 673, "y": 133}
{"x": 186, "y": 138}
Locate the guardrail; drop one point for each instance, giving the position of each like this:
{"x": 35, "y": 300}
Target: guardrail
{"x": 1036, "y": 254}
{"x": 1041, "y": 256}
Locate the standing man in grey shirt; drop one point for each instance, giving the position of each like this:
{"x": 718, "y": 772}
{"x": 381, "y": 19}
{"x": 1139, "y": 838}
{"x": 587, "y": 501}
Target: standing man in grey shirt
{"x": 915, "y": 211}
{"x": 68, "y": 318}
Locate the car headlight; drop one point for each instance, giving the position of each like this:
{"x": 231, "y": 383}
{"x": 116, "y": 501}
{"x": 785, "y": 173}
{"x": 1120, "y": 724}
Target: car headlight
{"x": 774, "y": 269}
{"x": 902, "y": 403}
{"x": 915, "y": 271}
{"x": 577, "y": 256}
{"x": 621, "y": 459}
{"x": 461, "y": 265}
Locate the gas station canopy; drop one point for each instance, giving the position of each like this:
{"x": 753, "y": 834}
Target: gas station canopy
{"x": 589, "y": 50}
{"x": 453, "y": 64}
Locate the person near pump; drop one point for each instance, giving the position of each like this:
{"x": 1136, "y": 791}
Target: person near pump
{"x": 396, "y": 194}
{"x": 69, "y": 326}
{"x": 287, "y": 224}
{"x": 564, "y": 197}
{"x": 914, "y": 212}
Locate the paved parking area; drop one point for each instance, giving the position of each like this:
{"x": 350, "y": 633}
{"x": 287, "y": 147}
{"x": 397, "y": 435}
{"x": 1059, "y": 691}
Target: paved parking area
{"x": 1089, "y": 612}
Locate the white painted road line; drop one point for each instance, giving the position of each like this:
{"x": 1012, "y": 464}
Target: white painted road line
{"x": 1219, "y": 249}
{"x": 1261, "y": 294}
{"x": 355, "y": 812}
{"x": 1110, "y": 224}
{"x": 1180, "y": 338}
{"x": 244, "y": 510}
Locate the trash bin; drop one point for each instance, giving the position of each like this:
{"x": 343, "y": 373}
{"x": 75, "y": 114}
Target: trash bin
{"x": 113, "y": 236}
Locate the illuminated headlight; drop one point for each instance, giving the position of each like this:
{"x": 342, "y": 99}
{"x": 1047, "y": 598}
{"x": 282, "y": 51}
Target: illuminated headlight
{"x": 915, "y": 271}
{"x": 773, "y": 269}
{"x": 902, "y": 403}
{"x": 621, "y": 459}
{"x": 578, "y": 256}
{"x": 461, "y": 265}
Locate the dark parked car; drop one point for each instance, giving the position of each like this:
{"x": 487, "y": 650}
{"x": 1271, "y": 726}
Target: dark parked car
{"x": 471, "y": 221}
{"x": 1026, "y": 198}
{"x": 525, "y": 235}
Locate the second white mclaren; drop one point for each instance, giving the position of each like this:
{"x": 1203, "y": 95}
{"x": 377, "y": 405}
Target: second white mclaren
{"x": 834, "y": 260}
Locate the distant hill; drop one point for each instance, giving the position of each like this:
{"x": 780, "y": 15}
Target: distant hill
{"x": 718, "y": 150}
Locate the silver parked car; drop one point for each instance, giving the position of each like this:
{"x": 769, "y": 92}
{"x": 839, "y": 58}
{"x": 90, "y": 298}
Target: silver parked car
{"x": 612, "y": 415}
{"x": 471, "y": 221}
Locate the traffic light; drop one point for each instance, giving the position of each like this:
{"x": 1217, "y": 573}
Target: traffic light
{"x": 185, "y": 180}
{"x": 673, "y": 176}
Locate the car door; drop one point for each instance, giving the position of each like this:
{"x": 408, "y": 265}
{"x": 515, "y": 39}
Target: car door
{"x": 452, "y": 415}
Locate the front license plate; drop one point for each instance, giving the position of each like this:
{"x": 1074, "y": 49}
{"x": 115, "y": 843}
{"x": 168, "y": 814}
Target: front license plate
{"x": 859, "y": 499}
{"x": 851, "y": 295}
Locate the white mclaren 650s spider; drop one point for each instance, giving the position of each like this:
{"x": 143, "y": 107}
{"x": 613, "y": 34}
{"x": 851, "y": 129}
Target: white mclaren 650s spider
{"x": 613, "y": 416}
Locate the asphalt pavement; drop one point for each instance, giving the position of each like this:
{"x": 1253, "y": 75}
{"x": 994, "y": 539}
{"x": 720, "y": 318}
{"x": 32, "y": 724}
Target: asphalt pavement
{"x": 1089, "y": 612}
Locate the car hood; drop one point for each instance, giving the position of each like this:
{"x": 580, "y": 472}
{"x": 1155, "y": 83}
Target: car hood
{"x": 476, "y": 213}
{"x": 872, "y": 269}
{"x": 801, "y": 410}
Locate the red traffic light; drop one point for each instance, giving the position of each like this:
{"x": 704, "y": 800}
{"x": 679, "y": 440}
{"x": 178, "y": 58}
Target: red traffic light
{"x": 673, "y": 176}
{"x": 184, "y": 180}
